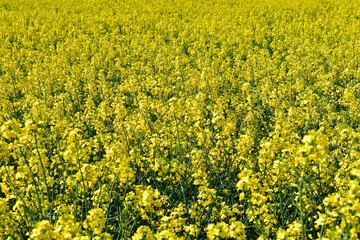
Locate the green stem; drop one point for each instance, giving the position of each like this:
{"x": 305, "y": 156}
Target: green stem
{"x": 43, "y": 170}
{"x": 301, "y": 188}
{"x": 35, "y": 183}
{"x": 323, "y": 227}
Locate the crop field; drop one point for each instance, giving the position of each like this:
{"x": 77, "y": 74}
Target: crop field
{"x": 179, "y": 119}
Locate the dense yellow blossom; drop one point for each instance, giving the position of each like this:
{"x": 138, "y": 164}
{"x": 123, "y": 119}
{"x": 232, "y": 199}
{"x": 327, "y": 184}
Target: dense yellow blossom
{"x": 179, "y": 119}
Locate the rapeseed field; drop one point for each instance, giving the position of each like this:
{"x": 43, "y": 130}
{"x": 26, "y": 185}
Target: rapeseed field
{"x": 179, "y": 119}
